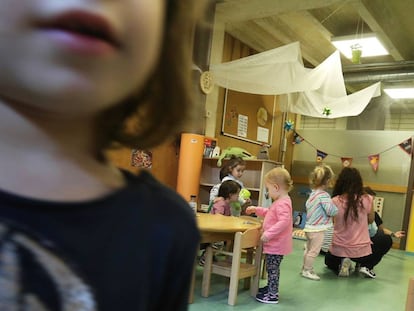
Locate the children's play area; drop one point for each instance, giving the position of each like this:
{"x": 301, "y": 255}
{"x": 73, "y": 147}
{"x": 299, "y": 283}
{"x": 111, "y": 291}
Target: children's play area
{"x": 274, "y": 92}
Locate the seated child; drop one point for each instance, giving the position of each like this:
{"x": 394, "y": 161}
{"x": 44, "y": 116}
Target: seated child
{"x": 228, "y": 193}
{"x": 233, "y": 169}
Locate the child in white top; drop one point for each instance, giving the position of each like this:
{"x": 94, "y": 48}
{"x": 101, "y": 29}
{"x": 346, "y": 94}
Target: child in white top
{"x": 232, "y": 169}
{"x": 319, "y": 213}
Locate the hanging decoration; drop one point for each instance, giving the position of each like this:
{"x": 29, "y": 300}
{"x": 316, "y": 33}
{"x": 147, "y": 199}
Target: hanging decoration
{"x": 326, "y": 111}
{"x": 356, "y": 48}
{"x": 374, "y": 161}
{"x": 320, "y": 155}
{"x": 288, "y": 125}
{"x": 297, "y": 139}
{"x": 302, "y": 90}
{"x": 407, "y": 146}
{"x": 346, "y": 162}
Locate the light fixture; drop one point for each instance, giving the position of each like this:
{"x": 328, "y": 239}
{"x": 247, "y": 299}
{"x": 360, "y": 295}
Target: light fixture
{"x": 399, "y": 93}
{"x": 368, "y": 44}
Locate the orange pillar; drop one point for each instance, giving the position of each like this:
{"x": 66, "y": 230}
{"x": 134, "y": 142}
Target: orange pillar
{"x": 189, "y": 165}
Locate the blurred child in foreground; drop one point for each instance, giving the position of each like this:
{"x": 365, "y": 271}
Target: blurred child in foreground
{"x": 75, "y": 232}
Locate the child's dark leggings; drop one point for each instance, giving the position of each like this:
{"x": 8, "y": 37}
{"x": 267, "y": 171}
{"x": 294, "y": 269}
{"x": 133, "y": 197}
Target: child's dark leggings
{"x": 273, "y": 272}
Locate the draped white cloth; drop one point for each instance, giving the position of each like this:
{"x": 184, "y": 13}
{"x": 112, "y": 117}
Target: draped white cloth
{"x": 306, "y": 91}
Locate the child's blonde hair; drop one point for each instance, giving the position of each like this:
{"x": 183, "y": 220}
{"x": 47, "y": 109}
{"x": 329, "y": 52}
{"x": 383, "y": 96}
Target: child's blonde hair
{"x": 322, "y": 175}
{"x": 280, "y": 176}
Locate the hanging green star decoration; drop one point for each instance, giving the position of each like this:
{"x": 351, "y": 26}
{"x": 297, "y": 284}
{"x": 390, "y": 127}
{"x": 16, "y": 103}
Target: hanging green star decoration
{"x": 288, "y": 125}
{"x": 326, "y": 111}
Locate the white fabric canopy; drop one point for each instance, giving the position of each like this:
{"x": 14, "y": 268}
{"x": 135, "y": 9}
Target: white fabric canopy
{"x": 307, "y": 91}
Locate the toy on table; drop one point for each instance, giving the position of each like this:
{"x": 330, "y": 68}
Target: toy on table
{"x": 244, "y": 195}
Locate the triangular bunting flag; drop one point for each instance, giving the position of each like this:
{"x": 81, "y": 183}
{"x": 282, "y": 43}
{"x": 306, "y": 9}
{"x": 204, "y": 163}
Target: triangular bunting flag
{"x": 346, "y": 162}
{"x": 320, "y": 155}
{"x": 407, "y": 146}
{"x": 297, "y": 139}
{"x": 374, "y": 161}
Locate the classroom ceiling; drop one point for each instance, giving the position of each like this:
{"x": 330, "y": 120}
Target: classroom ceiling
{"x": 267, "y": 24}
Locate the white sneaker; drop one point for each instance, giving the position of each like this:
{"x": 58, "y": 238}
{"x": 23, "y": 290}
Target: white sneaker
{"x": 310, "y": 274}
{"x": 345, "y": 267}
{"x": 367, "y": 273}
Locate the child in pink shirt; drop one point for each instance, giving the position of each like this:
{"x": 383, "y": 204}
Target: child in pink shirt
{"x": 277, "y": 229}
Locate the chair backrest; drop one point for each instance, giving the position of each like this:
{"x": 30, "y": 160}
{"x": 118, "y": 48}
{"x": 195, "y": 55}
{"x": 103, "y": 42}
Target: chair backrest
{"x": 248, "y": 239}
{"x": 248, "y": 268}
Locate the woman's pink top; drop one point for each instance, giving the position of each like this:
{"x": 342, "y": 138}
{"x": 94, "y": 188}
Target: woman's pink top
{"x": 351, "y": 239}
{"x": 221, "y": 207}
{"x": 277, "y": 226}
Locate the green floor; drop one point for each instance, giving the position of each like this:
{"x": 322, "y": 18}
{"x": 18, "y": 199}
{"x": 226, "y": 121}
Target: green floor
{"x": 387, "y": 292}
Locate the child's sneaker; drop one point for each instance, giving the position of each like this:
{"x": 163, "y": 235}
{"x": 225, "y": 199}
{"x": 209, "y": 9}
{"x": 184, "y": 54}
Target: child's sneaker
{"x": 218, "y": 245}
{"x": 367, "y": 272}
{"x": 345, "y": 267}
{"x": 267, "y": 298}
{"x": 202, "y": 259}
{"x": 310, "y": 274}
{"x": 263, "y": 290}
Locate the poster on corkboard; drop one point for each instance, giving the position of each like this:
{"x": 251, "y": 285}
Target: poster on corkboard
{"x": 248, "y": 117}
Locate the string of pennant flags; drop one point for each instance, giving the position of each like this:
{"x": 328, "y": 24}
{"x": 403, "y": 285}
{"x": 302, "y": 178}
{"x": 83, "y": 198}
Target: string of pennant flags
{"x": 373, "y": 159}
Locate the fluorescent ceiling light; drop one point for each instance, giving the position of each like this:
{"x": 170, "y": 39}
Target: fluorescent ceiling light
{"x": 400, "y": 92}
{"x": 368, "y": 43}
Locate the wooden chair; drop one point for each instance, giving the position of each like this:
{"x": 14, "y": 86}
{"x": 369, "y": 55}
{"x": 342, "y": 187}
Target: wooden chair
{"x": 263, "y": 273}
{"x": 240, "y": 267}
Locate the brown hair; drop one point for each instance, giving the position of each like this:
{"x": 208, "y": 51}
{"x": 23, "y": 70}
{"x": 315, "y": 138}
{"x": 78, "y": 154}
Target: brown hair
{"x": 227, "y": 188}
{"x": 230, "y": 165}
{"x": 280, "y": 176}
{"x": 158, "y": 111}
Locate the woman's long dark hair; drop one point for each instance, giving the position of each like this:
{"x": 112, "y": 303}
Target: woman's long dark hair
{"x": 349, "y": 182}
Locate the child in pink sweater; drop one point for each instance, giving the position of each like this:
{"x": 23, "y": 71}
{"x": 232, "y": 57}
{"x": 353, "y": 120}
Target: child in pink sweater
{"x": 277, "y": 229}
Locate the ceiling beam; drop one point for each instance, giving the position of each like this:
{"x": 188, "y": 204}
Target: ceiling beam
{"x": 243, "y": 10}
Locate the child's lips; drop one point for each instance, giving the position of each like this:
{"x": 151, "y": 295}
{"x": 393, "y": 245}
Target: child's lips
{"x": 82, "y": 32}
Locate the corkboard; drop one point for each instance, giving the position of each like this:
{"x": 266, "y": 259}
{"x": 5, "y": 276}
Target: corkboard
{"x": 243, "y": 117}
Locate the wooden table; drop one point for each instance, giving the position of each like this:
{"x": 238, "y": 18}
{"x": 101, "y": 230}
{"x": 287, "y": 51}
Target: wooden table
{"x": 217, "y": 227}
{"x": 214, "y": 228}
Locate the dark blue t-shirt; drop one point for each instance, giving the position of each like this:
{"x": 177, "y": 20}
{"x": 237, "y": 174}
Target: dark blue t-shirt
{"x": 131, "y": 250}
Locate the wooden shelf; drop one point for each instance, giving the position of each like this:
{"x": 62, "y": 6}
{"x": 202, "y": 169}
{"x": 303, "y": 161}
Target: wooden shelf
{"x": 252, "y": 178}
